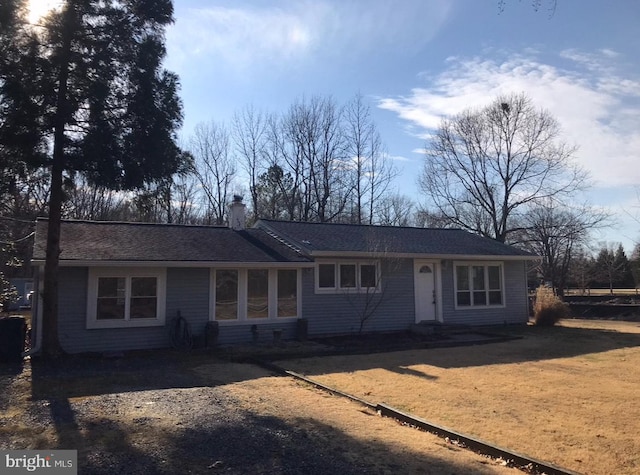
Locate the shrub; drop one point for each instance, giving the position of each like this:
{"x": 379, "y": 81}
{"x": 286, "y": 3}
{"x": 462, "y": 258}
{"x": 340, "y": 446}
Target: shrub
{"x": 548, "y": 308}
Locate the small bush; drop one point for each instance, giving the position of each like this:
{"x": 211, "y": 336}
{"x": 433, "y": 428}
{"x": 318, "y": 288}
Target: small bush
{"x": 548, "y": 308}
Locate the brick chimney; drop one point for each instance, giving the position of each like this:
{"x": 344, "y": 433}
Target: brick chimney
{"x": 237, "y": 216}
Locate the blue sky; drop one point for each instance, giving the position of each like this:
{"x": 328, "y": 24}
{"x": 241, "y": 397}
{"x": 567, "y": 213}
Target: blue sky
{"x": 416, "y": 61}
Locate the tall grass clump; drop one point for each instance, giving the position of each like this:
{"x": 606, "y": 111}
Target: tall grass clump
{"x": 548, "y": 308}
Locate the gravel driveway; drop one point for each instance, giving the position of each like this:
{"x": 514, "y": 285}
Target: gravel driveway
{"x": 166, "y": 412}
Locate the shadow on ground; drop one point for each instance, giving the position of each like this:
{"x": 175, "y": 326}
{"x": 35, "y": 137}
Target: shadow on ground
{"x": 234, "y": 442}
{"x": 87, "y": 375}
{"x": 530, "y": 343}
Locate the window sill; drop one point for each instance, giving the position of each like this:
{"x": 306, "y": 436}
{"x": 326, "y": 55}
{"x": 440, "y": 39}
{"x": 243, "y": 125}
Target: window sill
{"x": 256, "y": 321}
{"x": 347, "y": 291}
{"x": 478, "y": 307}
{"x": 136, "y": 323}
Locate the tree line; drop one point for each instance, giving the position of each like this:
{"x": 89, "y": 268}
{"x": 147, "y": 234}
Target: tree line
{"x": 608, "y": 268}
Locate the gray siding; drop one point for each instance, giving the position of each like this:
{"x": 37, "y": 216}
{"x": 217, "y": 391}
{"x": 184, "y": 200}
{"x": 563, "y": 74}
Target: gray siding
{"x": 515, "y": 295}
{"x": 187, "y": 291}
{"x": 326, "y": 314}
{"x": 339, "y": 313}
{"x": 241, "y": 333}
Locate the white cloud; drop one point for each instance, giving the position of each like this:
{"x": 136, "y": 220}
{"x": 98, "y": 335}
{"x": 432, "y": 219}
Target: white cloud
{"x": 238, "y": 36}
{"x": 597, "y": 106}
{"x": 241, "y": 36}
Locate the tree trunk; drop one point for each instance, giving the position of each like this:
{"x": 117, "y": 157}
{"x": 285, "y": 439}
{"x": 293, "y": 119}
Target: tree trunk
{"x": 50, "y": 343}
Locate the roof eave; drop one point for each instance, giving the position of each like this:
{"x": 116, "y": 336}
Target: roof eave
{"x": 195, "y": 264}
{"x": 416, "y": 255}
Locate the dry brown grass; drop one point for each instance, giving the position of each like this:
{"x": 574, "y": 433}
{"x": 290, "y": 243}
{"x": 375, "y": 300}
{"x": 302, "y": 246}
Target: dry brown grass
{"x": 566, "y": 394}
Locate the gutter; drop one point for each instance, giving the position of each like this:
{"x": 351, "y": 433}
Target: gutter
{"x": 453, "y": 257}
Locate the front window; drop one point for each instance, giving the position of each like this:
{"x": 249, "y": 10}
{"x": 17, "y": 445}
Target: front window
{"x": 143, "y": 297}
{"x": 125, "y": 297}
{"x": 287, "y": 293}
{"x": 111, "y": 298}
{"x": 257, "y": 293}
{"x": 326, "y": 276}
{"x": 368, "y": 276}
{"x": 226, "y": 294}
{"x": 254, "y": 295}
{"x": 478, "y": 285}
{"x": 347, "y": 276}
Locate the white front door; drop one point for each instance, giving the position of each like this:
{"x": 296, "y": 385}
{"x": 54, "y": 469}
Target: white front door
{"x": 425, "y": 290}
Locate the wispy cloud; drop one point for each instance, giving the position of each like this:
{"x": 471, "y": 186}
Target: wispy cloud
{"x": 597, "y": 105}
{"x": 241, "y": 36}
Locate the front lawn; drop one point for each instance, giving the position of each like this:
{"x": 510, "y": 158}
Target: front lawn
{"x": 569, "y": 395}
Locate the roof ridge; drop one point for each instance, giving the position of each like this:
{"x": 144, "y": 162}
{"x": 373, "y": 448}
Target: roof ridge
{"x": 278, "y": 221}
{"x": 135, "y": 223}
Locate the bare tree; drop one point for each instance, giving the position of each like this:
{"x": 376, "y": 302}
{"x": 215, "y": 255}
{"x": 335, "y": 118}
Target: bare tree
{"x": 581, "y": 270}
{"x": 250, "y": 137}
{"x": 214, "y": 167}
{"x": 426, "y": 218}
{"x": 310, "y": 145}
{"x": 370, "y": 289}
{"x": 284, "y": 150}
{"x": 93, "y": 202}
{"x": 372, "y": 168}
{"x": 484, "y": 167}
{"x": 185, "y": 199}
{"x": 635, "y": 266}
{"x": 395, "y": 210}
{"x": 554, "y": 233}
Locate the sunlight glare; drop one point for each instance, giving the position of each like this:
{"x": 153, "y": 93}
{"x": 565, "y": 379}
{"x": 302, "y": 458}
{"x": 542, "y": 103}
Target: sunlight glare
{"x": 40, "y": 8}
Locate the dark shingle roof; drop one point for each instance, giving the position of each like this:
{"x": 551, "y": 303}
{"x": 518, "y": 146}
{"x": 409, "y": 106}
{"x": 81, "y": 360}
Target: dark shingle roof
{"x": 324, "y": 238}
{"x": 110, "y": 241}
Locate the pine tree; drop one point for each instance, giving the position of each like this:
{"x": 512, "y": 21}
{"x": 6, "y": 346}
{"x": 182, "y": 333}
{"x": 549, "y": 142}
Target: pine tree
{"x": 84, "y": 91}
{"x": 624, "y": 278}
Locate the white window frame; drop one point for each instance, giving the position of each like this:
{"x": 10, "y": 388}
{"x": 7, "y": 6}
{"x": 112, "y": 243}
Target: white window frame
{"x": 337, "y": 263}
{"x": 242, "y": 318}
{"x": 128, "y": 273}
{"x": 485, "y": 265}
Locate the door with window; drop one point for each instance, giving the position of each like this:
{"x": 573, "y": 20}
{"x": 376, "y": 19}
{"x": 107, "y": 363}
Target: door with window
{"x": 425, "y": 290}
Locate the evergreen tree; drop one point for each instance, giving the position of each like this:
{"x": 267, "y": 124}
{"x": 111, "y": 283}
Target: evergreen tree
{"x": 634, "y": 264}
{"x": 272, "y": 190}
{"x": 84, "y": 91}
{"x": 621, "y": 262}
{"x": 610, "y": 267}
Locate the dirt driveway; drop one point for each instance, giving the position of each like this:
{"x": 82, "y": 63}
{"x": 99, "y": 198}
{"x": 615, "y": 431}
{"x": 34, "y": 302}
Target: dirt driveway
{"x": 166, "y": 412}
